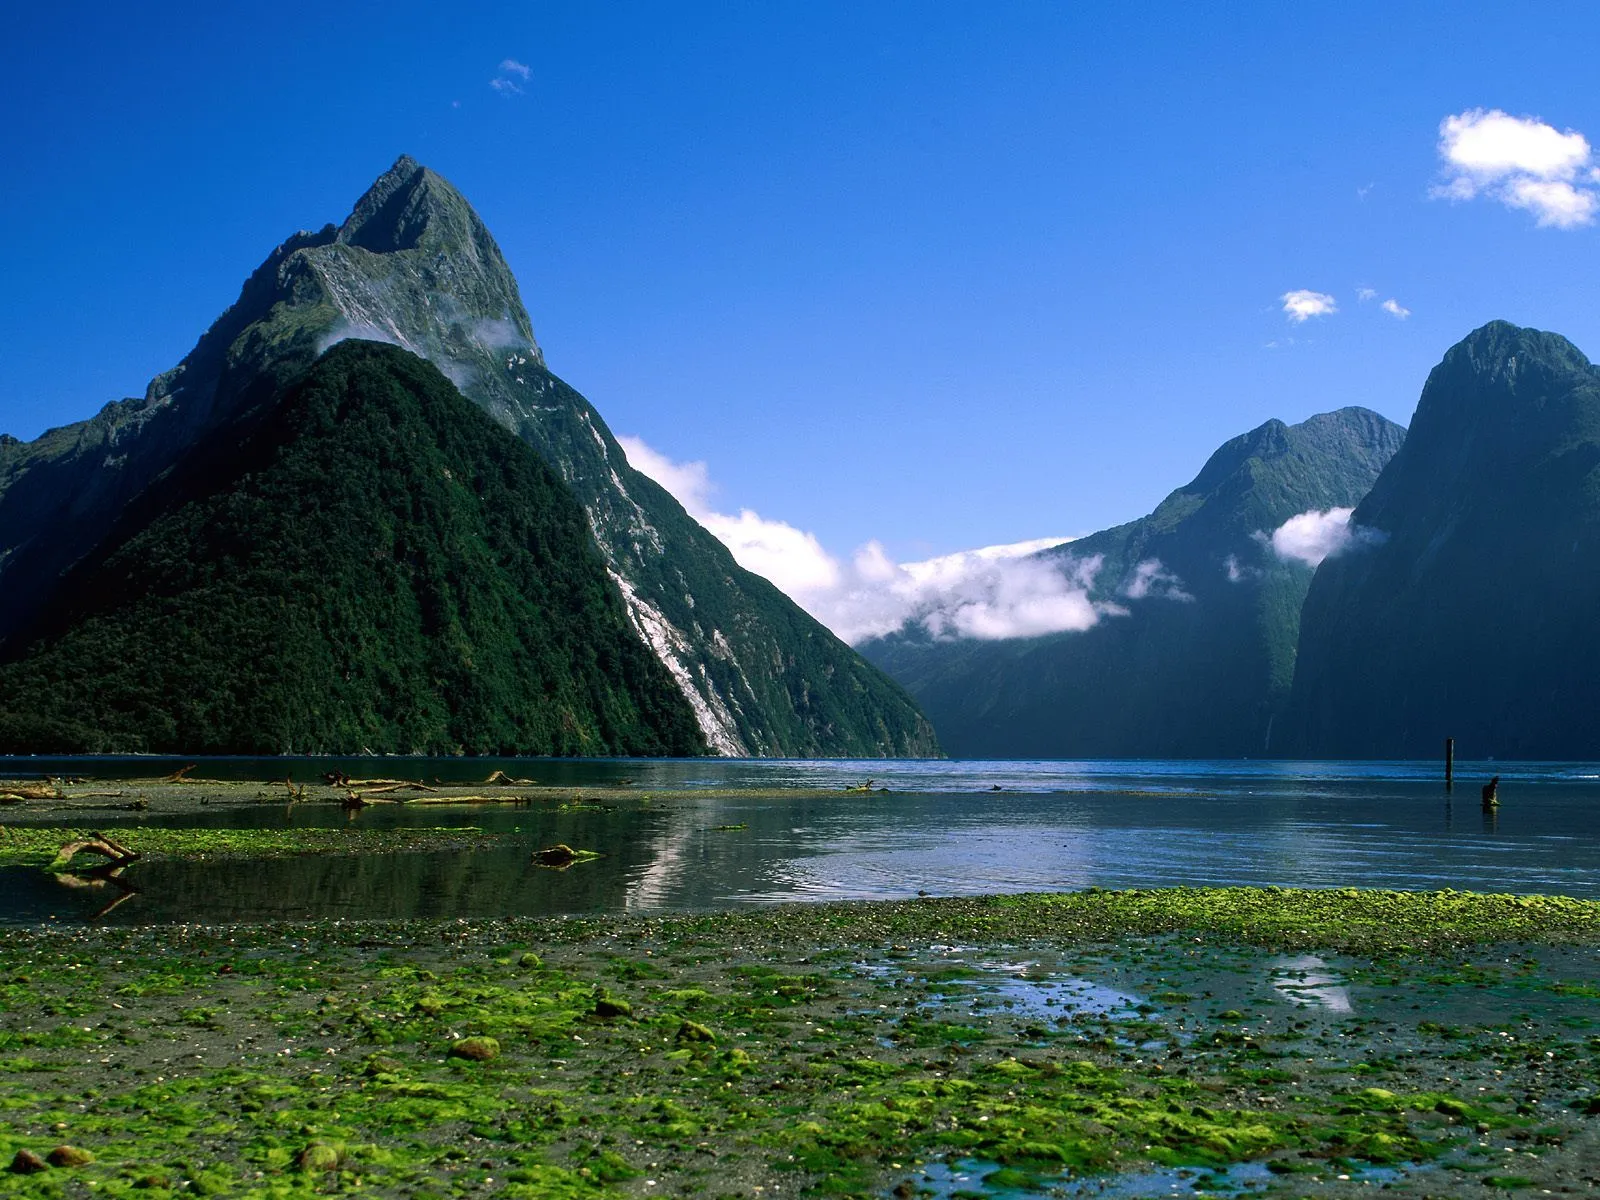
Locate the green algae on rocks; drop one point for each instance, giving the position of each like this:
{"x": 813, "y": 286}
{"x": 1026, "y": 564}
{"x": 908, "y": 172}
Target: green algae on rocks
{"x": 38, "y": 845}
{"x": 838, "y": 1049}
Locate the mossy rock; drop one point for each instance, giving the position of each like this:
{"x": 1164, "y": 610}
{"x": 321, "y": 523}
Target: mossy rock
{"x": 693, "y": 1031}
{"x": 26, "y": 1162}
{"x": 320, "y": 1156}
{"x": 69, "y": 1156}
{"x": 562, "y": 856}
{"x": 610, "y": 1008}
{"x": 476, "y": 1049}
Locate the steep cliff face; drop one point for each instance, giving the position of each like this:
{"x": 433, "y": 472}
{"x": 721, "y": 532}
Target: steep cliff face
{"x": 1194, "y": 653}
{"x": 1475, "y": 616}
{"x": 374, "y": 567}
{"x": 414, "y": 266}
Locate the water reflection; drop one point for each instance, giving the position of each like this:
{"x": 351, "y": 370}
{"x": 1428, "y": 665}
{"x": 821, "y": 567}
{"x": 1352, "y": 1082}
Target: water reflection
{"x": 1053, "y": 826}
{"x": 1309, "y": 981}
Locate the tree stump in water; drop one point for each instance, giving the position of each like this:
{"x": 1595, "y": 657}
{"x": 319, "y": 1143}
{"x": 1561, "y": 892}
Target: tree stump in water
{"x": 1491, "y": 794}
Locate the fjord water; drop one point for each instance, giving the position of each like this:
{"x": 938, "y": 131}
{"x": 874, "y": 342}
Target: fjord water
{"x": 941, "y": 828}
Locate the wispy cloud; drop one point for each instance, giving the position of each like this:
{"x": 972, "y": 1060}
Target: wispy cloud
{"x": 1391, "y": 306}
{"x": 1312, "y": 536}
{"x": 1302, "y": 304}
{"x": 993, "y": 592}
{"x": 511, "y": 71}
{"x": 1237, "y": 572}
{"x": 1522, "y": 163}
{"x": 1150, "y": 578}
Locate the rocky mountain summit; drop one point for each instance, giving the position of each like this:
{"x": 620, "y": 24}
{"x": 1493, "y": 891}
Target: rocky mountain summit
{"x": 413, "y": 265}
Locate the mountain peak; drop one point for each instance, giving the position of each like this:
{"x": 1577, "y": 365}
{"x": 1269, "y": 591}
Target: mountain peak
{"x": 1503, "y": 351}
{"x": 407, "y": 205}
{"x": 1265, "y": 440}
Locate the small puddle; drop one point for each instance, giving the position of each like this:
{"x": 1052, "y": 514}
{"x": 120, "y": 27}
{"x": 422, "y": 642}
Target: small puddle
{"x": 1311, "y": 983}
{"x": 967, "y": 1177}
{"x": 1046, "y": 998}
{"x": 1026, "y": 989}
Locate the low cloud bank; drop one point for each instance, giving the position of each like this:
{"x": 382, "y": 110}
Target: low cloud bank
{"x": 991, "y": 593}
{"x": 1312, "y": 536}
{"x": 988, "y": 594}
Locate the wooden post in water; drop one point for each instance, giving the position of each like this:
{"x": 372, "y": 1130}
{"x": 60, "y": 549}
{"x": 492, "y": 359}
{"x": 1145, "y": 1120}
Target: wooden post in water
{"x": 1449, "y": 764}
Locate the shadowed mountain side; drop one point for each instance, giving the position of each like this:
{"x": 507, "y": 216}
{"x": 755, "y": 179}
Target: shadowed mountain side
{"x": 1190, "y": 657}
{"x": 414, "y": 265}
{"x": 373, "y": 566}
{"x": 1477, "y": 617}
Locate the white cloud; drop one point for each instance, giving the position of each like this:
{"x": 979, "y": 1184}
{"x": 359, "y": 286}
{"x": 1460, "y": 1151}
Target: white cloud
{"x": 1302, "y": 304}
{"x": 1150, "y": 578}
{"x": 1488, "y": 143}
{"x": 993, "y": 592}
{"x": 1395, "y": 309}
{"x": 689, "y": 482}
{"x": 1520, "y": 162}
{"x": 791, "y": 558}
{"x": 1312, "y": 536}
{"x": 511, "y": 66}
{"x": 1553, "y": 201}
{"x": 1237, "y": 572}
{"x": 505, "y": 86}
{"x": 1365, "y": 294}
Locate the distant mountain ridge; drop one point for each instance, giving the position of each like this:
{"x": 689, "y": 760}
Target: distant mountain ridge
{"x": 1195, "y": 653}
{"x": 1476, "y": 616}
{"x": 413, "y": 265}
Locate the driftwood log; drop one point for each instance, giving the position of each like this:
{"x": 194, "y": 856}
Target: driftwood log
{"x": 501, "y": 779}
{"x": 15, "y": 791}
{"x": 116, "y": 854}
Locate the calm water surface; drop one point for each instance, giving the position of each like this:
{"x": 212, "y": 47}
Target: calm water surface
{"x": 943, "y": 828}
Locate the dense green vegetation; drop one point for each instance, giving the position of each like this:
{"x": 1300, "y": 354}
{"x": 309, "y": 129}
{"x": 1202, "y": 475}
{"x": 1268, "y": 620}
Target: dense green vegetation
{"x": 1476, "y": 618}
{"x": 373, "y": 566}
{"x": 414, "y": 263}
{"x": 1203, "y": 673}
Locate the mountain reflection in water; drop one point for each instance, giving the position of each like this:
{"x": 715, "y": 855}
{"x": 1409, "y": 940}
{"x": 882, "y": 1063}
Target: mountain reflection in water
{"x": 943, "y": 828}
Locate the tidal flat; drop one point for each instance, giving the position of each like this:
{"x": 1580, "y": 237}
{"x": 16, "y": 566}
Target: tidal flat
{"x": 1242, "y": 1041}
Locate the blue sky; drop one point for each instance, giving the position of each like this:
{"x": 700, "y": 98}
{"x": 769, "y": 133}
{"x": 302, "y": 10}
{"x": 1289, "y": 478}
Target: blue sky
{"x": 935, "y": 275}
